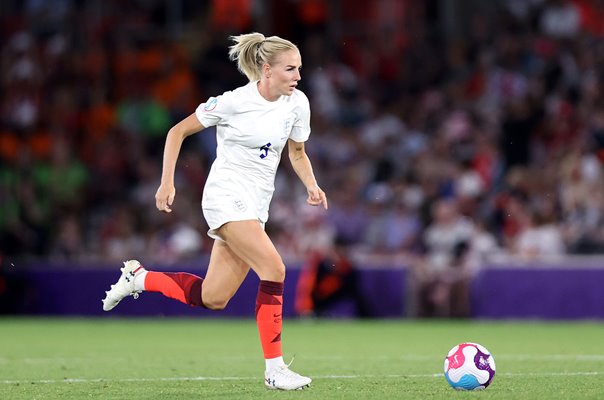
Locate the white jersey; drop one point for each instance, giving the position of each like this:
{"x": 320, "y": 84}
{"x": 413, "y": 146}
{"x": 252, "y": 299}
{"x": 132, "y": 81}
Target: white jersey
{"x": 251, "y": 133}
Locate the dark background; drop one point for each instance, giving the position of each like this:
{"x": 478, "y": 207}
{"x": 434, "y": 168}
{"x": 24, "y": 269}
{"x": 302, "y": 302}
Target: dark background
{"x": 489, "y": 111}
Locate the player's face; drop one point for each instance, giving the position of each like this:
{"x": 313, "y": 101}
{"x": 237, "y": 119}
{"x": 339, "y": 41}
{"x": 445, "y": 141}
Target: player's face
{"x": 285, "y": 72}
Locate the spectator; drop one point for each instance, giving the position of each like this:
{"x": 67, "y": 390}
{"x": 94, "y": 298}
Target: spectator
{"x": 441, "y": 276}
{"x": 328, "y": 277}
{"x": 537, "y": 238}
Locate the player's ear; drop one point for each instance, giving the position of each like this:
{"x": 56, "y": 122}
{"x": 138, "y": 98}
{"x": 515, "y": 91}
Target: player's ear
{"x": 266, "y": 70}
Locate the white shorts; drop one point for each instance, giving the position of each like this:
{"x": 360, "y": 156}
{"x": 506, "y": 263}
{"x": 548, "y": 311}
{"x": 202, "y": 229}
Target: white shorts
{"x": 212, "y": 232}
{"x": 220, "y": 206}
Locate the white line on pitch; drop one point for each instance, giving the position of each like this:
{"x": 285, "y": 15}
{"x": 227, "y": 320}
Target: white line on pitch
{"x": 244, "y": 378}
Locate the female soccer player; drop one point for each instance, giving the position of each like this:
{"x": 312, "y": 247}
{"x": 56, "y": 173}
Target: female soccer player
{"x": 254, "y": 122}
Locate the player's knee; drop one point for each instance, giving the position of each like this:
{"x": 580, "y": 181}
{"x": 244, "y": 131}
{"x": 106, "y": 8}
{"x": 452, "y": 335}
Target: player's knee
{"x": 214, "y": 300}
{"x": 215, "y": 304}
{"x": 277, "y": 273}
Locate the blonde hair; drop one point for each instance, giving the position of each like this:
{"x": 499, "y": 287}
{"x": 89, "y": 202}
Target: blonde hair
{"x": 253, "y": 50}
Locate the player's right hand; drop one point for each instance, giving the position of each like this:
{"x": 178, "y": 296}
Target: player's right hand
{"x": 165, "y": 197}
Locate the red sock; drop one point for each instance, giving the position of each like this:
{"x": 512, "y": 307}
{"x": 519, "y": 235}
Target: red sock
{"x": 269, "y": 306}
{"x": 180, "y": 286}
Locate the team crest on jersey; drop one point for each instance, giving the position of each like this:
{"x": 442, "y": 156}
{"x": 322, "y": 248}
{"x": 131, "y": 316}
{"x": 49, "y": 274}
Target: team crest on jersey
{"x": 239, "y": 205}
{"x": 210, "y": 104}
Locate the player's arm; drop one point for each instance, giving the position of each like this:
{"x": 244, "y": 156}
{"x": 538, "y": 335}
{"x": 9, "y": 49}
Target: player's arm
{"x": 176, "y": 135}
{"x": 302, "y": 166}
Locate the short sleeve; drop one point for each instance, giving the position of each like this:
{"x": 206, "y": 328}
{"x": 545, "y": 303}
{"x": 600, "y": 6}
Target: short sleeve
{"x": 215, "y": 110}
{"x": 301, "y": 129}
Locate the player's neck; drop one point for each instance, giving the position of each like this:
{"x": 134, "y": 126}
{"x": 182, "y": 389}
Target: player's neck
{"x": 265, "y": 91}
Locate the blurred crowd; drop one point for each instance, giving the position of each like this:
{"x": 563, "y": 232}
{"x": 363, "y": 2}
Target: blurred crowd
{"x": 451, "y": 134}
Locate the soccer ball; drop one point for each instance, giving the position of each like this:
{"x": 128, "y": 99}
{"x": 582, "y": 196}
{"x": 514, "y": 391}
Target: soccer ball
{"x": 469, "y": 366}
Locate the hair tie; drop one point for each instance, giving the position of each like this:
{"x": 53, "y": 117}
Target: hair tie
{"x": 258, "y": 58}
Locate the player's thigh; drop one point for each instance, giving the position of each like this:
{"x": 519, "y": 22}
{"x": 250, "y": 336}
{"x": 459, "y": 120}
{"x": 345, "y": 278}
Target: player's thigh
{"x": 250, "y": 242}
{"x": 225, "y": 274}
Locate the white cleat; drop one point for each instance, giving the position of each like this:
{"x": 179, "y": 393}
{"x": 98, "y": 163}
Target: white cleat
{"x": 283, "y": 378}
{"x": 124, "y": 287}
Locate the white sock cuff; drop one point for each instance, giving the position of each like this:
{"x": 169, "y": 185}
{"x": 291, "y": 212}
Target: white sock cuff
{"x": 139, "y": 281}
{"x": 274, "y": 362}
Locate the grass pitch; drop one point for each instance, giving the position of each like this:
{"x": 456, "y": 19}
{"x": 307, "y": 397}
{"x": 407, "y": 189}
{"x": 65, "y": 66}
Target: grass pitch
{"x": 221, "y": 359}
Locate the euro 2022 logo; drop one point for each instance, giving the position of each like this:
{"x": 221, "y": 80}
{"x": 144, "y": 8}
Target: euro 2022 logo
{"x": 210, "y": 104}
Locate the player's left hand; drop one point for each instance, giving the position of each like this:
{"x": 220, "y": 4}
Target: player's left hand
{"x": 316, "y": 197}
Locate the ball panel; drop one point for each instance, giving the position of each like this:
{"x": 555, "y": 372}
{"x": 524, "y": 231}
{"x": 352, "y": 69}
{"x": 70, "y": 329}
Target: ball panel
{"x": 483, "y": 361}
{"x": 458, "y": 355}
{"x": 466, "y": 382}
{"x": 492, "y": 363}
{"x": 453, "y": 351}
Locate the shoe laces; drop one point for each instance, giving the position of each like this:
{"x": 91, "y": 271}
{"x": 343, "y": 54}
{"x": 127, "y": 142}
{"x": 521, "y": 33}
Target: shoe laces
{"x": 284, "y": 370}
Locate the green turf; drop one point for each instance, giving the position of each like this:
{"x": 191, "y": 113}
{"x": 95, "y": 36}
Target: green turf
{"x": 215, "y": 359}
